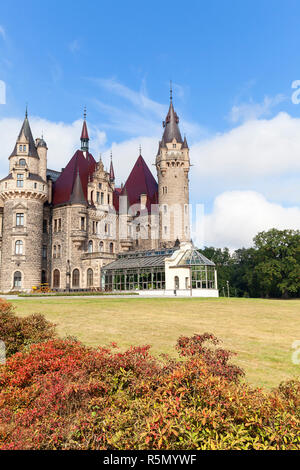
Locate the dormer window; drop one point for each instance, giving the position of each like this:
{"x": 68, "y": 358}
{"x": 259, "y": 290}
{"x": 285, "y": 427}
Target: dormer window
{"x": 174, "y": 146}
{"x": 22, "y": 162}
{"x": 20, "y": 180}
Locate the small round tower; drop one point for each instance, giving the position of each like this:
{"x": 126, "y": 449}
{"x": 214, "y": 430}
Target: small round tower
{"x": 23, "y": 193}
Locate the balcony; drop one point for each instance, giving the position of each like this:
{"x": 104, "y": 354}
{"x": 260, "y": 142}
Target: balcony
{"x": 99, "y": 255}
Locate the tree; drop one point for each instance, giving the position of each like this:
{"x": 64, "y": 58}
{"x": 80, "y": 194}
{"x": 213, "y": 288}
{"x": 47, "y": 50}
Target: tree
{"x": 278, "y": 262}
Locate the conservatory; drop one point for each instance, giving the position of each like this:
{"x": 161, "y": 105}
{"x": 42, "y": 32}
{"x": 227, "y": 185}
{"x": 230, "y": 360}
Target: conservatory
{"x": 181, "y": 271}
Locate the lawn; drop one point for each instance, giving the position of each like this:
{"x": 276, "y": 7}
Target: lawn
{"x": 260, "y": 331}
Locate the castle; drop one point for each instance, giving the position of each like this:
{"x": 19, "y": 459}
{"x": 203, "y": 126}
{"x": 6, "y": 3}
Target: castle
{"x": 66, "y": 228}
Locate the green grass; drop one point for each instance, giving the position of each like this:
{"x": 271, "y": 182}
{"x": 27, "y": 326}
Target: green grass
{"x": 260, "y": 331}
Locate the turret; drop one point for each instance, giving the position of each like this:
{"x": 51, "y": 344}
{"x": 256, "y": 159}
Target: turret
{"x": 23, "y": 192}
{"x": 173, "y": 165}
{"x": 42, "y": 149}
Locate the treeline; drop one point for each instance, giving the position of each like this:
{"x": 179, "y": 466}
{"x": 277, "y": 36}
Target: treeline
{"x": 271, "y": 269}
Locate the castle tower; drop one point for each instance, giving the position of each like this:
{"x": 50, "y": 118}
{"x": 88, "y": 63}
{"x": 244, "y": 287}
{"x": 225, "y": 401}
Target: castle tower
{"x": 23, "y": 193}
{"x": 173, "y": 165}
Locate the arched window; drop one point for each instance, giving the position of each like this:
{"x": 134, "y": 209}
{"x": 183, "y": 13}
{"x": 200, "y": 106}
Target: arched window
{"x": 17, "y": 279}
{"x": 19, "y": 247}
{"x": 101, "y": 246}
{"x": 56, "y": 278}
{"x": 90, "y": 277}
{"x": 22, "y": 162}
{"x": 75, "y": 278}
{"x": 111, "y": 247}
{"x": 90, "y": 247}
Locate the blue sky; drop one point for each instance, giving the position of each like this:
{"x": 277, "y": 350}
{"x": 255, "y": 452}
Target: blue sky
{"x": 232, "y": 64}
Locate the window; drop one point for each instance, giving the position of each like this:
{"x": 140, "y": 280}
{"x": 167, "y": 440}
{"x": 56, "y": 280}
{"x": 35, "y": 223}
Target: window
{"x": 55, "y": 225}
{"x": 44, "y": 277}
{"x": 44, "y": 252}
{"x": 19, "y": 247}
{"x": 82, "y": 223}
{"x": 17, "y": 279}
{"x": 35, "y": 185}
{"x": 20, "y": 148}
{"x": 102, "y": 198}
{"x": 54, "y": 251}
{"x": 45, "y": 226}
{"x": 108, "y": 199}
{"x": 20, "y": 180}
{"x": 22, "y": 162}
{"x": 19, "y": 219}
{"x": 75, "y": 278}
{"x": 58, "y": 251}
{"x": 176, "y": 282}
{"x": 24, "y": 148}
{"x": 100, "y": 185}
{"x": 59, "y": 225}
{"x": 90, "y": 247}
{"x": 98, "y": 196}
{"x": 90, "y": 276}
{"x": 101, "y": 246}
{"x": 56, "y": 278}
{"x": 111, "y": 247}
{"x": 174, "y": 146}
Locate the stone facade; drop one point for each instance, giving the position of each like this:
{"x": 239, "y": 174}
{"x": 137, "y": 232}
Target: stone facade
{"x": 62, "y": 228}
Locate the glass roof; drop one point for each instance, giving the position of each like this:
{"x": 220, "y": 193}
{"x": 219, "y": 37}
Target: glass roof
{"x": 194, "y": 258}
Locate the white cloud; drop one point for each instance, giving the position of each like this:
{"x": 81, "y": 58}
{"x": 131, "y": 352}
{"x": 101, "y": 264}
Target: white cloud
{"x": 237, "y": 216}
{"x": 259, "y": 154}
{"x": 62, "y": 140}
{"x": 251, "y": 110}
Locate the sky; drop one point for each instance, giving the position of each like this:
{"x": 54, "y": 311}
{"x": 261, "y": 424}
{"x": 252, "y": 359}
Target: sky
{"x": 234, "y": 67}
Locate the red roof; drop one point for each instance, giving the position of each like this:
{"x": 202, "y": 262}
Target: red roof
{"x": 141, "y": 181}
{"x": 84, "y": 133}
{"x": 63, "y": 186}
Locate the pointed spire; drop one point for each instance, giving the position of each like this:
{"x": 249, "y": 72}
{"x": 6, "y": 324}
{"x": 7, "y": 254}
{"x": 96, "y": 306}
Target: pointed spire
{"x": 77, "y": 195}
{"x": 111, "y": 170}
{"x": 84, "y": 134}
{"x": 26, "y": 132}
{"x": 171, "y": 123}
{"x": 185, "y": 144}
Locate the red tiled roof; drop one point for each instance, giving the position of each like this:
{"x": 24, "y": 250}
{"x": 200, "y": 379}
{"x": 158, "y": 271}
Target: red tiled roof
{"x": 141, "y": 181}
{"x": 84, "y": 133}
{"x": 63, "y": 186}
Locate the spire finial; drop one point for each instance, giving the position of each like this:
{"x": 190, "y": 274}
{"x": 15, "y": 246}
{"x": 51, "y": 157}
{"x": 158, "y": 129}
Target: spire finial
{"x": 111, "y": 155}
{"x": 140, "y": 149}
{"x": 171, "y": 92}
{"x": 84, "y": 113}
{"x": 26, "y": 110}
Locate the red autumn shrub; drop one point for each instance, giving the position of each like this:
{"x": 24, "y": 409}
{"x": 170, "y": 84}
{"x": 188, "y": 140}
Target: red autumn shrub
{"x": 215, "y": 358}
{"x": 17, "y": 332}
{"x": 63, "y": 395}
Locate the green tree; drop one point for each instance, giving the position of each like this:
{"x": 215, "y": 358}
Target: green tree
{"x": 277, "y": 263}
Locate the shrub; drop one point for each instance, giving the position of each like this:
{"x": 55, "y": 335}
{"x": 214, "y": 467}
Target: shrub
{"x": 19, "y": 332}
{"x": 62, "y": 395}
